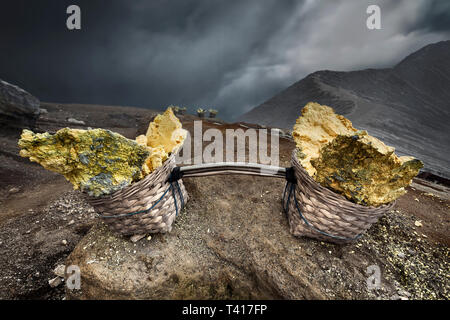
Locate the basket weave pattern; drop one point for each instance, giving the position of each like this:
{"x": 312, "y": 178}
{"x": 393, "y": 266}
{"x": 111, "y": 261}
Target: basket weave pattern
{"x": 330, "y": 216}
{"x": 122, "y": 209}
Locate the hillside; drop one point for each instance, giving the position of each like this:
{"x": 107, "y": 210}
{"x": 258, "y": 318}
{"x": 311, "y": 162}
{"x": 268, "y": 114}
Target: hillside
{"x": 406, "y": 106}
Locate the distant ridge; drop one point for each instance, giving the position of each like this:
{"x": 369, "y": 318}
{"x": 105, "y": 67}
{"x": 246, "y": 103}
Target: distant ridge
{"x": 407, "y": 106}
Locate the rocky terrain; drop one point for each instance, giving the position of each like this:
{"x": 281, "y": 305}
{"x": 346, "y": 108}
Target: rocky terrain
{"x": 231, "y": 241}
{"x": 406, "y": 106}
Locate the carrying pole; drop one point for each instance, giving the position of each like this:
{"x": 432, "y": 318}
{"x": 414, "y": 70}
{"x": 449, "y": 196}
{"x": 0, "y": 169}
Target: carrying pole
{"x": 226, "y": 168}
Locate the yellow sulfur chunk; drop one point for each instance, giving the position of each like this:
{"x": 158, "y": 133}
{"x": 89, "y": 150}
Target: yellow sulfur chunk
{"x": 350, "y": 161}
{"x": 96, "y": 161}
{"x": 317, "y": 126}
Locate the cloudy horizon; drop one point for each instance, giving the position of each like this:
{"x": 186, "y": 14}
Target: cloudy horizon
{"x": 228, "y": 55}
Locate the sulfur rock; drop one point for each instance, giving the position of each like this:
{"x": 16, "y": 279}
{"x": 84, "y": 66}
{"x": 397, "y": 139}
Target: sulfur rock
{"x": 350, "y": 161}
{"x": 164, "y": 136}
{"x": 96, "y": 161}
{"x": 317, "y": 126}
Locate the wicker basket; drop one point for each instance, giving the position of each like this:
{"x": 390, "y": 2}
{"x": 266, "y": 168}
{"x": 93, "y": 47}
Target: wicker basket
{"x": 147, "y": 206}
{"x": 317, "y": 212}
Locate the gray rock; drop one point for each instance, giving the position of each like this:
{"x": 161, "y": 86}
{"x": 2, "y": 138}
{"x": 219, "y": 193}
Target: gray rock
{"x": 18, "y": 108}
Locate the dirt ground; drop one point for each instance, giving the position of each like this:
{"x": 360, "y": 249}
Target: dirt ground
{"x": 42, "y": 219}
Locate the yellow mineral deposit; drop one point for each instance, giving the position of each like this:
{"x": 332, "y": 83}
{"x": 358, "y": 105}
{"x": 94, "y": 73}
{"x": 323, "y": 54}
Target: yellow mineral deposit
{"x": 99, "y": 161}
{"x": 96, "y": 161}
{"x": 350, "y": 161}
{"x": 164, "y": 136}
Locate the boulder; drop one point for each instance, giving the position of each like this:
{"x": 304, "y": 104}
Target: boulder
{"x": 18, "y": 108}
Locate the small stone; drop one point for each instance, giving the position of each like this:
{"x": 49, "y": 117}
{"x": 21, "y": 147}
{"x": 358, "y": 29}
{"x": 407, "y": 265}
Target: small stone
{"x": 64, "y": 242}
{"x": 101, "y": 163}
{"x": 75, "y": 121}
{"x": 137, "y": 237}
{"x": 71, "y": 222}
{"x": 60, "y": 270}
{"x": 401, "y": 255}
{"x": 418, "y": 223}
{"x": 416, "y": 199}
{"x": 403, "y": 293}
{"x": 55, "y": 282}
{"x": 14, "y": 190}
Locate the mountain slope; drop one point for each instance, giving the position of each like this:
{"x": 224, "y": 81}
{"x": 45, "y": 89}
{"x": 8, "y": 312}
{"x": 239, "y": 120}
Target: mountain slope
{"x": 407, "y": 106}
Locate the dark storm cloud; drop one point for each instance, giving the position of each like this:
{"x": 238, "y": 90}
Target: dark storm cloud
{"x": 436, "y": 17}
{"x": 231, "y": 55}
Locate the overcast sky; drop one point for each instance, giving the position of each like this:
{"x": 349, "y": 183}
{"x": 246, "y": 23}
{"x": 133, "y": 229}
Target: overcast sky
{"x": 230, "y": 55}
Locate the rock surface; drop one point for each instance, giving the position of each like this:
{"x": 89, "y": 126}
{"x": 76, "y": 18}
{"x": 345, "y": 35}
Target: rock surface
{"x": 96, "y": 161}
{"x": 349, "y": 161}
{"x": 18, "y": 108}
{"x": 236, "y": 244}
{"x": 46, "y": 211}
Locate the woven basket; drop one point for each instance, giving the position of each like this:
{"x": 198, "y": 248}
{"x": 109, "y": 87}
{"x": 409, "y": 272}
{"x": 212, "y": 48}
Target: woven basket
{"x": 147, "y": 206}
{"x": 317, "y": 212}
